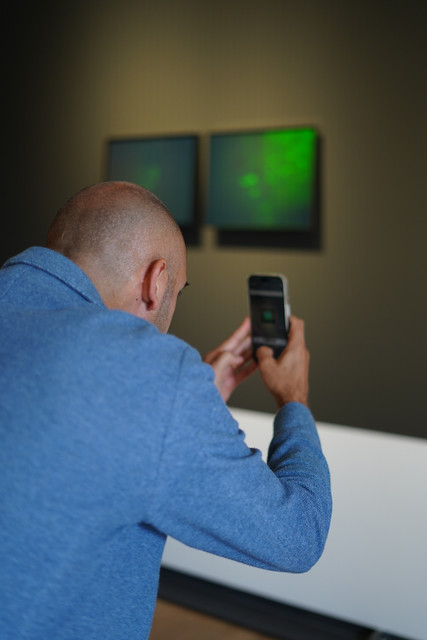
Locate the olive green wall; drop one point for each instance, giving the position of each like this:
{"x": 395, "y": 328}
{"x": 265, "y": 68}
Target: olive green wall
{"x": 77, "y": 73}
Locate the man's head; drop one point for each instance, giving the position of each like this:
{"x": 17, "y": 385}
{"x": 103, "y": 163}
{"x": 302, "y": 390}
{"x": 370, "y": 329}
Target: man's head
{"x": 126, "y": 241}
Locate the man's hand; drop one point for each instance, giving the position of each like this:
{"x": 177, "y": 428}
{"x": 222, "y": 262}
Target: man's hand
{"x": 232, "y": 361}
{"x": 287, "y": 377}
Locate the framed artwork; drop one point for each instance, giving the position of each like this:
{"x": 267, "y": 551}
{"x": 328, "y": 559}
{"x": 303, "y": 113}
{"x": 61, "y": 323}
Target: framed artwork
{"x": 167, "y": 166}
{"x": 264, "y": 187}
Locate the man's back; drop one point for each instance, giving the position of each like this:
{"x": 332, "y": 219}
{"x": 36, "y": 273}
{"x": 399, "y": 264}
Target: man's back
{"x": 78, "y": 442}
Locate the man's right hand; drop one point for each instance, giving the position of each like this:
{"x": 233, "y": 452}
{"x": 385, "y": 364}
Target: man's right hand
{"x": 287, "y": 377}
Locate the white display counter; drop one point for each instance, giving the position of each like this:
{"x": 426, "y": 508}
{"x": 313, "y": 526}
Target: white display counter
{"x": 374, "y": 568}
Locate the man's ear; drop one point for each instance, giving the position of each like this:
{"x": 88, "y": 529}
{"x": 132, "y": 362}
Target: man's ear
{"x": 153, "y": 284}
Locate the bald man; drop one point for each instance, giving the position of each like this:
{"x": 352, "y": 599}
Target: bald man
{"x": 114, "y": 434}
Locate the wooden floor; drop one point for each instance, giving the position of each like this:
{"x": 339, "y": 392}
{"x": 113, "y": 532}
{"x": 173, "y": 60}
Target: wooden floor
{"x": 173, "y": 622}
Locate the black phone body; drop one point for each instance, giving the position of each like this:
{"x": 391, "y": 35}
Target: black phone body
{"x": 269, "y": 309}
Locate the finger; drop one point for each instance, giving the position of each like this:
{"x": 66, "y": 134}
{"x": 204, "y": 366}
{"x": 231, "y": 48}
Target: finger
{"x": 296, "y": 325}
{"x": 296, "y": 342}
{"x": 264, "y": 354}
{"x": 245, "y": 372}
{"x": 226, "y": 359}
{"x": 296, "y": 332}
{"x": 242, "y": 332}
{"x": 247, "y": 354}
{"x": 244, "y": 347}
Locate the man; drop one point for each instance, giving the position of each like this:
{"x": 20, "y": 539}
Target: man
{"x": 115, "y": 435}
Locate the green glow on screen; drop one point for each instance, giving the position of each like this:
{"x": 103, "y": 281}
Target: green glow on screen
{"x": 263, "y": 180}
{"x": 165, "y": 165}
{"x": 149, "y": 176}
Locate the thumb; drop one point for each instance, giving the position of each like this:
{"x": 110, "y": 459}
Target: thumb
{"x": 264, "y": 354}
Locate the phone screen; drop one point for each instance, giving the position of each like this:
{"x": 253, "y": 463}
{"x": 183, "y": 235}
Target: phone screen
{"x": 269, "y": 311}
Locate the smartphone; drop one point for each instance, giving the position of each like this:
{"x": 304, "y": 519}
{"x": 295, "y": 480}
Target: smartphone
{"x": 270, "y": 311}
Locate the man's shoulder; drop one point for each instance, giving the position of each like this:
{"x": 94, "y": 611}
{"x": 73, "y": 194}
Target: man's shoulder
{"x": 113, "y": 336}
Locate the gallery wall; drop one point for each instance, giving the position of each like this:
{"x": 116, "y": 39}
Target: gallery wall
{"x": 77, "y": 74}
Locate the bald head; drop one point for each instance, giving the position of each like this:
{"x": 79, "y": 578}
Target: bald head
{"x": 112, "y": 221}
{"x": 114, "y": 231}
